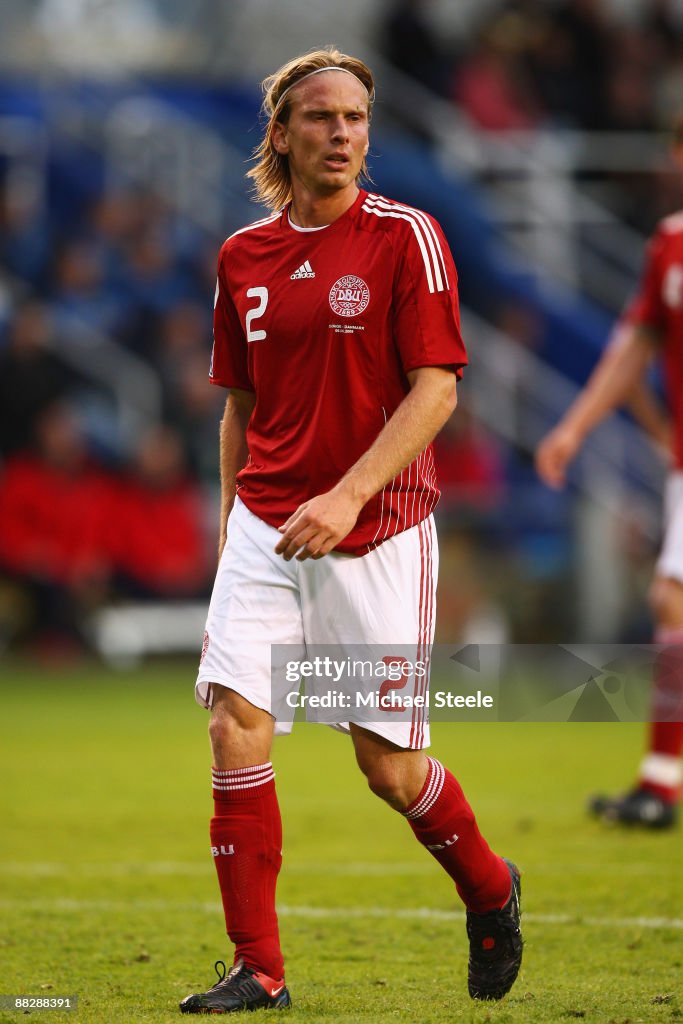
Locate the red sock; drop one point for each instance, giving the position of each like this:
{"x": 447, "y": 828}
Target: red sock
{"x": 660, "y": 770}
{"x": 246, "y": 842}
{"x": 443, "y": 821}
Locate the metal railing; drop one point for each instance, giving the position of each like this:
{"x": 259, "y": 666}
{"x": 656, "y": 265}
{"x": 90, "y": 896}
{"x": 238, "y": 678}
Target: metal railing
{"x": 530, "y": 180}
{"x": 134, "y": 385}
{"x": 520, "y": 397}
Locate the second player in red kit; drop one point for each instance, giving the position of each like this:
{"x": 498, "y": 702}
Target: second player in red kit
{"x": 652, "y": 329}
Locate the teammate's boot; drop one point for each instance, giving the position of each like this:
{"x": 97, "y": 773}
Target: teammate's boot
{"x": 637, "y": 807}
{"x": 496, "y": 945}
{"x": 242, "y": 988}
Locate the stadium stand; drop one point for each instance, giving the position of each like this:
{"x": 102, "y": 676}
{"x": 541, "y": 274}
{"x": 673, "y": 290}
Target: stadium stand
{"x": 115, "y": 193}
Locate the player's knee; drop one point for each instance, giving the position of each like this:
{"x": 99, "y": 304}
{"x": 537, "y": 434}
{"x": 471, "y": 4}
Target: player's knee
{"x": 666, "y": 602}
{"x": 221, "y": 724}
{"x": 238, "y": 728}
{"x": 385, "y": 783}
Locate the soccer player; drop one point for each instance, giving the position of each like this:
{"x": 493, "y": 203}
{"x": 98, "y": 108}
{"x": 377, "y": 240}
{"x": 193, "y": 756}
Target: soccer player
{"x": 337, "y": 335}
{"x": 653, "y": 328}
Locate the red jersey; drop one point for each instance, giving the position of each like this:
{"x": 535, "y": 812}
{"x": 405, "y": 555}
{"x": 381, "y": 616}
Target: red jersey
{"x": 323, "y": 325}
{"x": 659, "y": 305}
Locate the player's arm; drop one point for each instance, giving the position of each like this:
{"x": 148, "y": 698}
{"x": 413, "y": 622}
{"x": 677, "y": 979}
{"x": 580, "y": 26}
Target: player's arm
{"x": 651, "y": 416}
{"x": 320, "y": 524}
{"x": 612, "y": 384}
{"x": 233, "y": 451}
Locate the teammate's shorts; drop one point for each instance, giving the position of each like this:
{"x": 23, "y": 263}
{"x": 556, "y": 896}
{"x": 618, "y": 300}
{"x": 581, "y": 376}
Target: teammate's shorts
{"x": 670, "y": 561}
{"x": 385, "y": 597}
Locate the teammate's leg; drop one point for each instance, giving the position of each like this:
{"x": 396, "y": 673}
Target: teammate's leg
{"x": 660, "y": 770}
{"x": 653, "y": 801}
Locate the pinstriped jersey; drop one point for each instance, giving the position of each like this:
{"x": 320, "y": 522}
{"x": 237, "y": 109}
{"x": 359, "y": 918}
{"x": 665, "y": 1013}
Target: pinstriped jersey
{"x": 323, "y": 326}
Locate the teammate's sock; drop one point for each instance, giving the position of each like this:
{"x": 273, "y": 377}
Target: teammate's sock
{"x": 444, "y": 822}
{"x": 246, "y": 842}
{"x": 660, "y": 770}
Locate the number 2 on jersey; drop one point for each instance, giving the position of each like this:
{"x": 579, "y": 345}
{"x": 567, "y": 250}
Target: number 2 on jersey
{"x": 262, "y": 295}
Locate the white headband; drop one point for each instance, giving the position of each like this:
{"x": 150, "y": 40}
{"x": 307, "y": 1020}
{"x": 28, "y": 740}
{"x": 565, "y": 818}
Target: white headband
{"x": 317, "y": 72}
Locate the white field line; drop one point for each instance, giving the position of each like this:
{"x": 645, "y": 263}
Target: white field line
{"x": 369, "y": 869}
{"x": 67, "y": 906}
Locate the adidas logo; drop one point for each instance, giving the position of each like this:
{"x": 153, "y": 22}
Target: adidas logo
{"x": 305, "y": 270}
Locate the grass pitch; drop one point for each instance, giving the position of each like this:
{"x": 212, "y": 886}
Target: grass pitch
{"x": 107, "y": 888}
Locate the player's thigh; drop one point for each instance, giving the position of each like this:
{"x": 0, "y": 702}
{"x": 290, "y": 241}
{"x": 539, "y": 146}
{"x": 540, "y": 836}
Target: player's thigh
{"x": 254, "y": 604}
{"x": 376, "y": 607}
{"x": 385, "y": 597}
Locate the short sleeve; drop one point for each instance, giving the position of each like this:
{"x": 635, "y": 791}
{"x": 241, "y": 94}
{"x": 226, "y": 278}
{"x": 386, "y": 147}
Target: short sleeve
{"x": 647, "y": 308}
{"x": 426, "y": 314}
{"x": 229, "y": 366}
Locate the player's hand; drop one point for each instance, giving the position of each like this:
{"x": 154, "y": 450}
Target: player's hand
{"x": 554, "y": 454}
{"x": 318, "y": 526}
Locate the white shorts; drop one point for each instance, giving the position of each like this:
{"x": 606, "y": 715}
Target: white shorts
{"x": 670, "y": 561}
{"x": 385, "y": 597}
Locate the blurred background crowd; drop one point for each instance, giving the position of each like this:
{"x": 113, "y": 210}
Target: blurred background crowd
{"x": 529, "y": 65}
{"x": 124, "y": 134}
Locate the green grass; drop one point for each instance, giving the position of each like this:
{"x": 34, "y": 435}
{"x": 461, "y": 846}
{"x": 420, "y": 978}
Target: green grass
{"x": 107, "y": 888}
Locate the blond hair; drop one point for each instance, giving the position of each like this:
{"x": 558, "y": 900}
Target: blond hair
{"x": 271, "y": 175}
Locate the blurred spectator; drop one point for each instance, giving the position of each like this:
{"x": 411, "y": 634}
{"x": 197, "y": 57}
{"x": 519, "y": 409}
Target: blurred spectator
{"x": 191, "y": 403}
{"x": 31, "y": 376}
{"x": 584, "y": 22}
{"x": 198, "y": 409}
{"x": 410, "y": 42}
{"x": 184, "y": 330}
{"x": 158, "y": 541}
{"x": 661, "y": 26}
{"x": 629, "y": 99}
{"x": 553, "y": 67}
{"x": 56, "y": 511}
{"x": 151, "y": 278}
{"x": 25, "y": 242}
{"x": 81, "y": 292}
{"x": 469, "y": 465}
{"x": 112, "y": 223}
{"x": 493, "y": 85}
{"x": 668, "y": 87}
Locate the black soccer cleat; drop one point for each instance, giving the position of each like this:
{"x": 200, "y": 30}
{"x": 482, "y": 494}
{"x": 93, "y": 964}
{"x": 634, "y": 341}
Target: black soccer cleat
{"x": 496, "y": 945}
{"x": 242, "y": 988}
{"x": 637, "y": 807}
